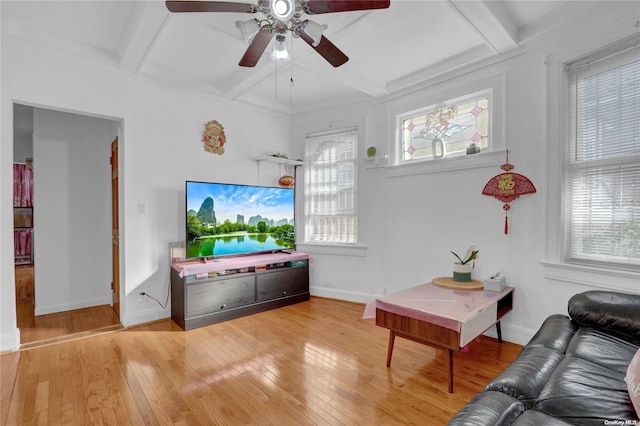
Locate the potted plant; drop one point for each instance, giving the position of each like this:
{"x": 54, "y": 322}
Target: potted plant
{"x": 462, "y": 269}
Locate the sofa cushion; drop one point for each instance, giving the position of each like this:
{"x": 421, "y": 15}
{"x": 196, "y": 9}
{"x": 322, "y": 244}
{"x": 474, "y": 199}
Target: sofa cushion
{"x": 584, "y": 393}
{"x": 617, "y": 313}
{"x": 527, "y": 374}
{"x": 538, "y": 418}
{"x": 633, "y": 381}
{"x": 488, "y": 408}
{"x": 602, "y": 348}
{"x": 555, "y": 332}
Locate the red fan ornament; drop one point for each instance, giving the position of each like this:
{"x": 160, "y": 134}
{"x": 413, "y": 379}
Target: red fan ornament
{"x": 508, "y": 186}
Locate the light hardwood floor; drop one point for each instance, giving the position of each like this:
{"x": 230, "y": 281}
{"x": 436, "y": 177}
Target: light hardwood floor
{"x": 46, "y": 329}
{"x": 311, "y": 363}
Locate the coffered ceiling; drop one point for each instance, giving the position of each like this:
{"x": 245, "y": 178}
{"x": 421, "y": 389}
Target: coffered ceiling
{"x": 389, "y": 49}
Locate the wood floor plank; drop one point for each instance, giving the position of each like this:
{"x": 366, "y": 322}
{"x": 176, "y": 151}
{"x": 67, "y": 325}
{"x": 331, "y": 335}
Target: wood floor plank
{"x": 313, "y": 363}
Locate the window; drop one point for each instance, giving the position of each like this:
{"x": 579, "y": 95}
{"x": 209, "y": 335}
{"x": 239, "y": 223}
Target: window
{"x": 602, "y": 163}
{"x": 453, "y": 128}
{"x": 330, "y": 187}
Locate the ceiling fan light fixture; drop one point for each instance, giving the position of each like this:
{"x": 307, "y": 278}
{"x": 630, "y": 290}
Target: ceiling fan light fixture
{"x": 280, "y": 52}
{"x": 282, "y": 10}
{"x": 314, "y": 30}
{"x": 248, "y": 29}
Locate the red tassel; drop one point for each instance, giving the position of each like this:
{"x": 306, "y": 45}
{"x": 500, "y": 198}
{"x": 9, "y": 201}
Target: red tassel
{"x": 506, "y": 225}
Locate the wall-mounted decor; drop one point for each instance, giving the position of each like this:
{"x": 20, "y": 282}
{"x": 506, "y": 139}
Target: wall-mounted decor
{"x": 508, "y": 186}
{"x": 214, "y": 138}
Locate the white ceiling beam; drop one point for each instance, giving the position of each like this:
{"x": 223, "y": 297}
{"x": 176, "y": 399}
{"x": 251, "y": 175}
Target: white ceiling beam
{"x": 489, "y": 21}
{"x": 143, "y": 32}
{"x": 246, "y": 78}
{"x": 358, "y": 81}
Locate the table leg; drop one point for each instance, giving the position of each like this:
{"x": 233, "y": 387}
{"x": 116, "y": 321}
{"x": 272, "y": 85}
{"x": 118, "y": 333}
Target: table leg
{"x": 450, "y": 368}
{"x": 392, "y": 338}
{"x": 499, "y": 331}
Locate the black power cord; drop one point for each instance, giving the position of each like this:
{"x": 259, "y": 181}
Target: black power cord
{"x": 166, "y": 303}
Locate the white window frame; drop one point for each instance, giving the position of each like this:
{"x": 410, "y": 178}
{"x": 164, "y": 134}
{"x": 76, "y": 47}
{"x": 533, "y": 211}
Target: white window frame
{"x": 555, "y": 264}
{"x": 448, "y": 103}
{"x": 358, "y": 247}
{"x": 457, "y": 88}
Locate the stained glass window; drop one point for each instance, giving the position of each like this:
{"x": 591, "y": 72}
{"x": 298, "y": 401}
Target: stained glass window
{"x": 446, "y": 130}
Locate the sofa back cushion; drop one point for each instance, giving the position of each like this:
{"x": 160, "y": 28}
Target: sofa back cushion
{"x": 602, "y": 348}
{"x": 583, "y": 393}
{"x": 613, "y": 312}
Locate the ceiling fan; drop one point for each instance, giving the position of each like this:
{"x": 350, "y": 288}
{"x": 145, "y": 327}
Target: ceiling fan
{"x": 282, "y": 16}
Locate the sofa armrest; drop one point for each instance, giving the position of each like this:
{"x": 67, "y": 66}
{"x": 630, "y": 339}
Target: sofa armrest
{"x": 525, "y": 377}
{"x": 612, "y": 312}
{"x": 555, "y": 333}
{"x": 488, "y": 409}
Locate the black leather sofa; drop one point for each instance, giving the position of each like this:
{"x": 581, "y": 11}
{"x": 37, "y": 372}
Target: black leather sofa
{"x": 572, "y": 372}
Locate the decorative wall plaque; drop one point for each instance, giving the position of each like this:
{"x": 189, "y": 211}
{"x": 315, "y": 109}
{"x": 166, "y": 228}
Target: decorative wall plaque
{"x": 214, "y": 138}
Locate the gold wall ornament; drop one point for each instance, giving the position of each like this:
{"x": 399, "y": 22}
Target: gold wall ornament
{"x": 214, "y": 138}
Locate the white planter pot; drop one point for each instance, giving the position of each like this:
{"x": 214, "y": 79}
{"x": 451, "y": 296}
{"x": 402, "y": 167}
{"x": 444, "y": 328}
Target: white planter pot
{"x": 462, "y": 273}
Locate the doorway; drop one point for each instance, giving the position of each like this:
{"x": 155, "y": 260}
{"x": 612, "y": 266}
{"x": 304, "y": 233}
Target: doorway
{"x": 66, "y": 290}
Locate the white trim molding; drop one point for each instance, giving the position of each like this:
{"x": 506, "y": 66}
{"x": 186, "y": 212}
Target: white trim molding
{"x": 595, "y": 277}
{"x": 10, "y": 341}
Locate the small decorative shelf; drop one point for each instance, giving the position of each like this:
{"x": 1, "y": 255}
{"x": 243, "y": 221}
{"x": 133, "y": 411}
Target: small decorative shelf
{"x": 278, "y": 160}
{"x": 286, "y": 165}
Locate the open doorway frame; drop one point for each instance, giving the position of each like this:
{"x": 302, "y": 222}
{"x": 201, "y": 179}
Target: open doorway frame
{"x": 98, "y": 319}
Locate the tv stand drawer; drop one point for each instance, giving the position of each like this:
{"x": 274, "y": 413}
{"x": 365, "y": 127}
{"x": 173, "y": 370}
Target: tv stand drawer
{"x": 216, "y": 295}
{"x": 282, "y": 282}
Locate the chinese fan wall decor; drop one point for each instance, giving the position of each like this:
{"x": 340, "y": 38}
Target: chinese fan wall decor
{"x": 507, "y": 187}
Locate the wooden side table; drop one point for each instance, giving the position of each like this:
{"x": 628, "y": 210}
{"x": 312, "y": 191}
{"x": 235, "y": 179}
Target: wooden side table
{"x": 440, "y": 317}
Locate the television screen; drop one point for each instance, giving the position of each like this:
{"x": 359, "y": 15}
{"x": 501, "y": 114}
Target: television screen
{"x": 225, "y": 219}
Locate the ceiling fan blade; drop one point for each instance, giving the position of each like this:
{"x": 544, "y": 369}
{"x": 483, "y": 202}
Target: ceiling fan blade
{"x": 256, "y": 48}
{"x": 314, "y": 7}
{"x": 328, "y": 50}
{"x": 210, "y": 6}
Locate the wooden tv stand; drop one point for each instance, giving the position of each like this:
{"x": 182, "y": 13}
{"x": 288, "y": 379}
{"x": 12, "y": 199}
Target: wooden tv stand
{"x": 204, "y": 293}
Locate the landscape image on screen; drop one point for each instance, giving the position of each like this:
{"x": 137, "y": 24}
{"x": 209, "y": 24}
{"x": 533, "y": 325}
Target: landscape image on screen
{"x": 225, "y": 219}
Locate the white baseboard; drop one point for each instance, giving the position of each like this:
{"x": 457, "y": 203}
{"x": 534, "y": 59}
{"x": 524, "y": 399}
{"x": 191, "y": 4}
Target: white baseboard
{"x": 44, "y": 310}
{"x": 10, "y": 341}
{"x": 350, "y": 296}
{"x": 512, "y": 333}
{"x": 148, "y": 315}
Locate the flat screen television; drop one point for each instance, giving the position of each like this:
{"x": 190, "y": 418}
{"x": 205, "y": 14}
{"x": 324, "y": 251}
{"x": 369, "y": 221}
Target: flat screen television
{"x": 231, "y": 220}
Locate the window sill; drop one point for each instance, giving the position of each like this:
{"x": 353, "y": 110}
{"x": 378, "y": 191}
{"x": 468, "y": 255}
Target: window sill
{"x": 333, "y": 249}
{"x": 595, "y": 277}
{"x": 465, "y": 162}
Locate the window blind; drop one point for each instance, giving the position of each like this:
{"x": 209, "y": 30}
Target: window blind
{"x": 602, "y": 202}
{"x": 330, "y": 187}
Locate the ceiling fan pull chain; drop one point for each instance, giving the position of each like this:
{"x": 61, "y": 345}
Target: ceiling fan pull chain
{"x": 275, "y": 82}
{"x": 291, "y": 67}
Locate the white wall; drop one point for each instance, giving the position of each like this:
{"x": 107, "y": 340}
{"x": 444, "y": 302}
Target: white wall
{"x": 160, "y": 148}
{"x": 412, "y": 221}
{"x": 72, "y": 210}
